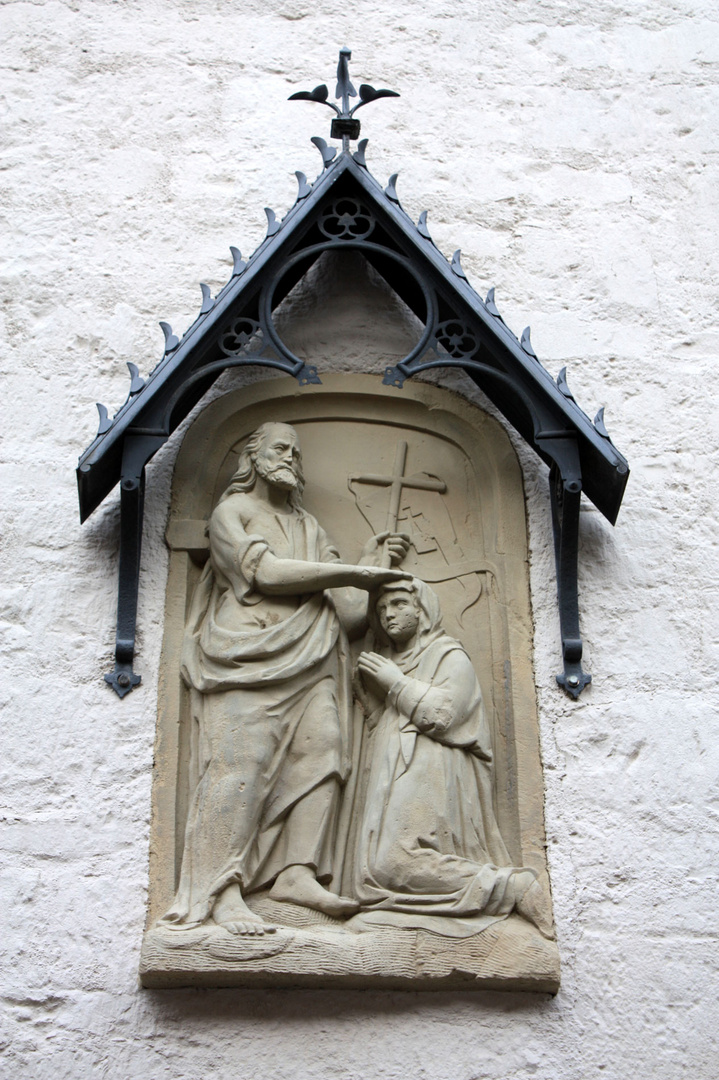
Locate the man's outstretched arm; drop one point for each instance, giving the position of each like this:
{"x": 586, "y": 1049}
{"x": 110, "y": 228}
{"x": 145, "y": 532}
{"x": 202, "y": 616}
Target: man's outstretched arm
{"x": 287, "y": 577}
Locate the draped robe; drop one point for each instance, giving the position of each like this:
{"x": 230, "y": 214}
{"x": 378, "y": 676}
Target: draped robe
{"x": 427, "y": 850}
{"x": 269, "y": 684}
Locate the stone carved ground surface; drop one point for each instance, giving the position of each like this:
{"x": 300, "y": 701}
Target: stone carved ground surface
{"x": 570, "y": 151}
{"x": 381, "y": 960}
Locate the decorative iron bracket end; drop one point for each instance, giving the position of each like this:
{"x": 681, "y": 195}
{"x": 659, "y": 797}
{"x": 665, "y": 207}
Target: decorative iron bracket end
{"x": 565, "y": 485}
{"x": 122, "y": 680}
{"x": 394, "y": 376}
{"x": 307, "y": 376}
{"x": 573, "y": 681}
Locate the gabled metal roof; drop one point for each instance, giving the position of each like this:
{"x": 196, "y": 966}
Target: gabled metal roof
{"x": 460, "y": 330}
{"x": 346, "y": 209}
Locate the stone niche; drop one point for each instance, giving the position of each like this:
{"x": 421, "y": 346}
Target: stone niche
{"x": 466, "y": 521}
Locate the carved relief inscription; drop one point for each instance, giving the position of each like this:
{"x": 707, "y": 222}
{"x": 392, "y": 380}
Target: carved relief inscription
{"x": 341, "y": 794}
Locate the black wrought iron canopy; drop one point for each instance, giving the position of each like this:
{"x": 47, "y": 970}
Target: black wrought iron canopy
{"x": 346, "y": 209}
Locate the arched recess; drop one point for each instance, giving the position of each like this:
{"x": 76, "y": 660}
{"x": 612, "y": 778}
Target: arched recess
{"x": 470, "y": 545}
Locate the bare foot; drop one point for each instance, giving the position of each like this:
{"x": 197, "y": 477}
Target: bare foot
{"x": 248, "y": 927}
{"x": 533, "y": 906}
{"x": 298, "y": 885}
{"x": 232, "y": 913}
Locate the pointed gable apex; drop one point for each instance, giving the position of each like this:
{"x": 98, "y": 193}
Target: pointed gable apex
{"x": 459, "y": 330}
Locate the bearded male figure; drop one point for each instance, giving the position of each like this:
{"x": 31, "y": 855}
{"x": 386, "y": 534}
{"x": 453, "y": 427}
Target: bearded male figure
{"x": 265, "y": 659}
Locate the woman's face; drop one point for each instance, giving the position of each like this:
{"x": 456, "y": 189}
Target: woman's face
{"x": 398, "y": 616}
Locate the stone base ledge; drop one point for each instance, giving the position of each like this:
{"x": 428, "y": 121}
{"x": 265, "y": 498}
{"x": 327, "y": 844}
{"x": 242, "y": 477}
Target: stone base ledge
{"x": 512, "y": 955}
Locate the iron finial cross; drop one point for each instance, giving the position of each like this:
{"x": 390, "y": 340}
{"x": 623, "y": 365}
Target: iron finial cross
{"x": 344, "y": 125}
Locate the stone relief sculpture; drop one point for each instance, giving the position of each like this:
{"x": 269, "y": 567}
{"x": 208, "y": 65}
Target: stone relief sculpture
{"x": 266, "y": 659}
{"x": 348, "y": 786}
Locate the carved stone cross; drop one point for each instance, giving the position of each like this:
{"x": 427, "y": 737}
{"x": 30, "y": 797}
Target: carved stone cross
{"x": 396, "y": 482}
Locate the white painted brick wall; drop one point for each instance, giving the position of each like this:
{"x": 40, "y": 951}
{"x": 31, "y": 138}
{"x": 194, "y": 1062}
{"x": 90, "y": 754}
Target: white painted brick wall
{"x": 570, "y": 150}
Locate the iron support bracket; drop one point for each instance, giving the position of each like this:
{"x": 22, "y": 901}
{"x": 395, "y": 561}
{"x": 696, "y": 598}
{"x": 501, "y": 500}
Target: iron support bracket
{"x": 565, "y": 486}
{"x": 137, "y": 451}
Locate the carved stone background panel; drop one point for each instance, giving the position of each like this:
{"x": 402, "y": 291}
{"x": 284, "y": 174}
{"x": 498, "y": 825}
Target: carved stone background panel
{"x": 449, "y": 475}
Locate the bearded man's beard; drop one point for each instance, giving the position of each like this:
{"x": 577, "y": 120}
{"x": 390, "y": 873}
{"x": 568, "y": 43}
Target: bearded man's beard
{"x": 283, "y": 475}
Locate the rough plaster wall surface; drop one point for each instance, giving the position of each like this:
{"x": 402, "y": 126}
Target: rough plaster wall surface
{"x": 570, "y": 151}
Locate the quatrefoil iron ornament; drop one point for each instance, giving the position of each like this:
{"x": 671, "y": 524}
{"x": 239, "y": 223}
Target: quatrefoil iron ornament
{"x": 240, "y": 335}
{"x": 456, "y": 339}
{"x": 346, "y": 219}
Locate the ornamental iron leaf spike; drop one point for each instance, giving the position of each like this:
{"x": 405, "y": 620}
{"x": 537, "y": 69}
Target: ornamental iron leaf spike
{"x": 105, "y": 421}
{"x": 368, "y": 93}
{"x": 320, "y": 94}
{"x": 391, "y": 189}
{"x": 491, "y": 306}
{"x": 273, "y": 225}
{"x": 422, "y": 226}
{"x": 207, "y": 302}
{"x": 599, "y": 424}
{"x": 457, "y": 265}
{"x": 328, "y": 152}
{"x": 171, "y": 340}
{"x": 344, "y": 126}
{"x": 526, "y": 343}
{"x": 303, "y": 187}
{"x": 563, "y": 385}
{"x": 136, "y": 383}
{"x": 238, "y": 263}
{"x": 359, "y": 154}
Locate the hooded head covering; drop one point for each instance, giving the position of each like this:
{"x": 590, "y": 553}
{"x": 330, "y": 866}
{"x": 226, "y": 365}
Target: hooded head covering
{"x": 428, "y": 630}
